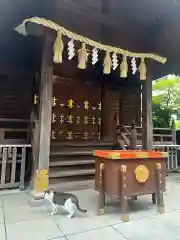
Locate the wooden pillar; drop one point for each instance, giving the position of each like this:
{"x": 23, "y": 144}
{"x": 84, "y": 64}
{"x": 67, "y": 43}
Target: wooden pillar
{"x": 147, "y": 128}
{"x": 45, "y": 113}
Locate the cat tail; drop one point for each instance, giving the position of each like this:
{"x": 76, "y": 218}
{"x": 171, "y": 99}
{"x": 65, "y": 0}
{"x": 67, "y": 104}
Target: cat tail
{"x": 80, "y": 209}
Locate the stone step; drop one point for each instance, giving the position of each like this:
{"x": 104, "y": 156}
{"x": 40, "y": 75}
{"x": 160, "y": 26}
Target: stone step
{"x": 71, "y": 153}
{"x": 56, "y": 173}
{"x": 71, "y": 162}
{"x": 86, "y": 144}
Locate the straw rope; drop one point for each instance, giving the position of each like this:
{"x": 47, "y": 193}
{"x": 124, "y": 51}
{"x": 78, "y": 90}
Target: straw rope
{"x": 50, "y": 24}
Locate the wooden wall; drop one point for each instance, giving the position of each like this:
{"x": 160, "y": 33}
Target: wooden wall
{"x": 15, "y": 96}
{"x": 130, "y": 106}
{"x": 16, "y": 99}
{"x": 124, "y": 102}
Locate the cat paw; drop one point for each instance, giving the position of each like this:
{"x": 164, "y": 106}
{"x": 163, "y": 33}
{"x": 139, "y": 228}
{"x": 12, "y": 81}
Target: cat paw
{"x": 52, "y": 213}
{"x": 69, "y": 216}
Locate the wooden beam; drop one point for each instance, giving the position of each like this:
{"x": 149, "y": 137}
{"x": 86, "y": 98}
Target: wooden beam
{"x": 91, "y": 26}
{"x": 98, "y": 16}
{"x": 45, "y": 110}
{"x": 147, "y": 129}
{"x": 105, "y": 6}
{"x": 159, "y": 27}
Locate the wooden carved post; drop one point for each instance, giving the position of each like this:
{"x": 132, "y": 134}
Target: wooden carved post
{"x": 154, "y": 198}
{"x": 45, "y": 112}
{"x": 101, "y": 196}
{"x": 123, "y": 197}
{"x": 159, "y": 192}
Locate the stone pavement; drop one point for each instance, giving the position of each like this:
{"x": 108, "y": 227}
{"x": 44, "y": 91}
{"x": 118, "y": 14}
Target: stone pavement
{"x": 20, "y": 221}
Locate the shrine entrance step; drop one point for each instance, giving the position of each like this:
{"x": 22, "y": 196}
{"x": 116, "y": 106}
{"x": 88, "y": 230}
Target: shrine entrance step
{"x": 72, "y": 165}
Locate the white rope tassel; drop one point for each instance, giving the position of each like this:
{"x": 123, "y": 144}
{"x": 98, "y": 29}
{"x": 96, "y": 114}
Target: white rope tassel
{"x": 133, "y": 65}
{"x": 94, "y": 56}
{"x": 71, "y": 49}
{"x": 114, "y": 61}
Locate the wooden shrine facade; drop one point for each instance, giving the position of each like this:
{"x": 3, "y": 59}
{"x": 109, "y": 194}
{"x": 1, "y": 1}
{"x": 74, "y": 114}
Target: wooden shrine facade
{"x": 64, "y": 106}
{"x": 76, "y": 111}
{"x": 85, "y": 104}
{"x": 79, "y": 114}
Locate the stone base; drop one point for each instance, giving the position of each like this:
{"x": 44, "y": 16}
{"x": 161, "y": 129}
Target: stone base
{"x": 37, "y": 188}
{"x": 36, "y": 199}
{"x": 125, "y": 217}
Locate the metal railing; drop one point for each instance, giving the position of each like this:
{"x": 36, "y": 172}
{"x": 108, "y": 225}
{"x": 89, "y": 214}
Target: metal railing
{"x": 12, "y": 165}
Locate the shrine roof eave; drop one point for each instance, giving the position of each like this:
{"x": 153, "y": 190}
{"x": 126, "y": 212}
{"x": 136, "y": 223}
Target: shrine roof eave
{"x": 149, "y": 26}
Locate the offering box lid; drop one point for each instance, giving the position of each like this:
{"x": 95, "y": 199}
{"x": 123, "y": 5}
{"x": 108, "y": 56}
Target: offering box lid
{"x": 129, "y": 154}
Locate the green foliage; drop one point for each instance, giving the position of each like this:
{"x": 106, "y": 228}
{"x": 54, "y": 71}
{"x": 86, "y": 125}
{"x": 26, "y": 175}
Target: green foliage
{"x": 177, "y": 122}
{"x": 166, "y": 92}
{"x": 161, "y": 116}
{"x": 166, "y": 99}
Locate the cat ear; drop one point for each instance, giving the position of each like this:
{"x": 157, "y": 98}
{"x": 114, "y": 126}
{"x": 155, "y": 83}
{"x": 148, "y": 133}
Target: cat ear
{"x": 51, "y": 190}
{"x": 47, "y": 191}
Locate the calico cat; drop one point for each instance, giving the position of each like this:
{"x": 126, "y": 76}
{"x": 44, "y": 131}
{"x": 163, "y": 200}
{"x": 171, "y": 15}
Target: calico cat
{"x": 69, "y": 202}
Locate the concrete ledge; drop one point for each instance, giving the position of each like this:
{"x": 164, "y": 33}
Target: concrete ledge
{"x": 11, "y": 191}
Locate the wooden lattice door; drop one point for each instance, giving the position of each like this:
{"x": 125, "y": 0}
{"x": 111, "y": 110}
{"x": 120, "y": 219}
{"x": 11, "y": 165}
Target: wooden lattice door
{"x": 76, "y": 112}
